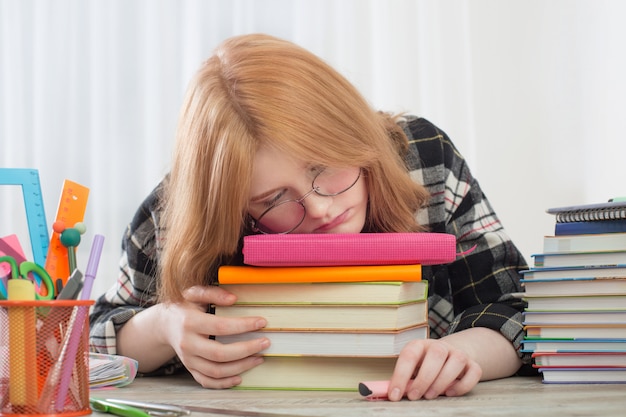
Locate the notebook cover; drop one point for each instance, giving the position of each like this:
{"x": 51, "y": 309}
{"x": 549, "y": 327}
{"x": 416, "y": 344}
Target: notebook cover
{"x": 349, "y": 249}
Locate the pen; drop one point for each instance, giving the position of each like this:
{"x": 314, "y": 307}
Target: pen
{"x": 67, "y": 356}
{"x": 92, "y": 266}
{"x": 171, "y": 410}
{"x": 70, "y": 238}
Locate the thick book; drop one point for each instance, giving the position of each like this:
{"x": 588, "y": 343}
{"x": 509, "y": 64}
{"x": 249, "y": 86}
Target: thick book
{"x": 349, "y": 249}
{"x": 274, "y": 275}
{"x": 574, "y": 317}
{"x": 379, "y": 292}
{"x": 601, "y": 242}
{"x": 581, "y": 331}
{"x": 561, "y": 345}
{"x": 576, "y": 303}
{"x": 332, "y": 316}
{"x": 575, "y": 286}
{"x": 609, "y": 210}
{"x": 589, "y": 272}
{"x": 333, "y": 343}
{"x": 316, "y": 373}
{"x": 583, "y": 375}
{"x": 578, "y": 259}
{"x": 579, "y": 359}
{"x": 600, "y": 226}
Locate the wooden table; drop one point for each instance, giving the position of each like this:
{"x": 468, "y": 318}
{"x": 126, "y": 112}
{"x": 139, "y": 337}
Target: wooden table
{"x": 515, "y": 396}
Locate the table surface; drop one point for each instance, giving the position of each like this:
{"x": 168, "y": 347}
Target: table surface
{"x": 515, "y": 396}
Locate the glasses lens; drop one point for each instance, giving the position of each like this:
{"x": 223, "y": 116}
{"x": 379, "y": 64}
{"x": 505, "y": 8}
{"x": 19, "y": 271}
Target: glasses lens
{"x": 333, "y": 181}
{"x": 282, "y": 218}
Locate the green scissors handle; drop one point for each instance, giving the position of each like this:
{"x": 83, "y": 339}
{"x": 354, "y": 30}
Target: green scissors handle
{"x": 122, "y": 410}
{"x": 26, "y": 268}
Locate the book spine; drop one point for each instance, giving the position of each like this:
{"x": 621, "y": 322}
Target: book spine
{"x": 274, "y": 275}
{"x": 590, "y": 227}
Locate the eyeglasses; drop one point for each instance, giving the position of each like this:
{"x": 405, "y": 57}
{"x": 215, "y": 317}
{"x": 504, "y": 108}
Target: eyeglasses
{"x": 285, "y": 216}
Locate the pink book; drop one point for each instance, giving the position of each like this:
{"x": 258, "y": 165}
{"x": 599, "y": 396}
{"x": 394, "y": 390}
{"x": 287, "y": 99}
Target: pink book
{"x": 349, "y": 249}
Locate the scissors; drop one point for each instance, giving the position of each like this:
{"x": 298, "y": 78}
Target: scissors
{"x": 22, "y": 271}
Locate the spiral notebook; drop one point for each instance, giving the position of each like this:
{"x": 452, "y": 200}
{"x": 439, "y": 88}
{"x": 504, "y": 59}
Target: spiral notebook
{"x": 610, "y": 210}
{"x": 349, "y": 249}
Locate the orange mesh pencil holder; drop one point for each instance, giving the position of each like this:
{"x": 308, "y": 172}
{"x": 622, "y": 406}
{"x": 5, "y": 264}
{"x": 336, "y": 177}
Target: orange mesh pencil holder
{"x": 44, "y": 358}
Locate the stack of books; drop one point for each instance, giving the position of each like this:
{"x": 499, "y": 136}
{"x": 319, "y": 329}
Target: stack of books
{"x": 339, "y": 308}
{"x": 575, "y": 320}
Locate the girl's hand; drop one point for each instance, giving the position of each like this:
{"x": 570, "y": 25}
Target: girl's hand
{"x": 188, "y": 327}
{"x": 436, "y": 367}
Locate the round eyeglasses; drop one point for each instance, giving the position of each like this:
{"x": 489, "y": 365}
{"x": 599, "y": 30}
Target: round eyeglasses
{"x": 285, "y": 216}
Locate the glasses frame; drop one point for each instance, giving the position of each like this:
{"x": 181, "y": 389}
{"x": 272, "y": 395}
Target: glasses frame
{"x": 255, "y": 222}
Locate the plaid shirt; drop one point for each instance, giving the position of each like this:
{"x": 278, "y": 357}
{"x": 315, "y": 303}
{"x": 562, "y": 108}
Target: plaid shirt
{"x": 474, "y": 291}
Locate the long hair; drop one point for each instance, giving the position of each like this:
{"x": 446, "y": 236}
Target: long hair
{"x": 258, "y": 90}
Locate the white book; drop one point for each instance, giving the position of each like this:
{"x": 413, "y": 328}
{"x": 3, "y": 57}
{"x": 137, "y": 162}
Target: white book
{"x": 602, "y": 242}
{"x": 583, "y": 375}
{"x": 322, "y": 343}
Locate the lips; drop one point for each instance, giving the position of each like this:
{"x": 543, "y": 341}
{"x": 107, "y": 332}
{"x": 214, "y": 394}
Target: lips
{"x": 334, "y": 223}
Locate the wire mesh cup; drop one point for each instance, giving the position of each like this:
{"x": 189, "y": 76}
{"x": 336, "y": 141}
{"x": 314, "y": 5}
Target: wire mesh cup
{"x": 44, "y": 357}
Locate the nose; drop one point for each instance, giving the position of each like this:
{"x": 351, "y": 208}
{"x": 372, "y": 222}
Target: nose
{"x": 317, "y": 205}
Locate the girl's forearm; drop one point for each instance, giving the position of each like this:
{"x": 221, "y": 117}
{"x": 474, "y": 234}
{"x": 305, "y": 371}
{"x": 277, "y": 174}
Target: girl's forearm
{"x": 141, "y": 338}
{"x": 490, "y": 349}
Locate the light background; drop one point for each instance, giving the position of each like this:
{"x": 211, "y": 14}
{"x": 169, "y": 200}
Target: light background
{"x": 531, "y": 92}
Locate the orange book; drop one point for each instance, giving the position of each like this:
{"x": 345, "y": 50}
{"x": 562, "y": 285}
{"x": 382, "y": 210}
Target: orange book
{"x": 276, "y": 275}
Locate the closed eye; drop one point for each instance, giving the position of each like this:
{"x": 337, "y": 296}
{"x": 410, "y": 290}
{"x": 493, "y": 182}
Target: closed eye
{"x": 274, "y": 199}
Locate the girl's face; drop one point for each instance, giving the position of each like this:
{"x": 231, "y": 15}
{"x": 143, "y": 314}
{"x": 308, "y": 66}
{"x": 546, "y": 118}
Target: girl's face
{"x": 278, "y": 178}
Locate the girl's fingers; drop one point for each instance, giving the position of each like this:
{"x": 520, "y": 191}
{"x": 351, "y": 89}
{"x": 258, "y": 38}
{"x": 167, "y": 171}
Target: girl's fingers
{"x": 223, "y": 375}
{"x": 435, "y": 358}
{"x": 465, "y": 384}
{"x": 209, "y": 294}
{"x": 453, "y": 369}
{"x": 436, "y": 367}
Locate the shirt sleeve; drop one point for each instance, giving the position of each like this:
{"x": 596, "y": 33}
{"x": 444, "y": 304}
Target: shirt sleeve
{"x": 480, "y": 288}
{"x": 135, "y": 288}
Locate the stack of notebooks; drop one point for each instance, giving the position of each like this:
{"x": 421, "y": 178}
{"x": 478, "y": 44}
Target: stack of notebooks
{"x": 339, "y": 307}
{"x": 575, "y": 320}
{"x": 110, "y": 371}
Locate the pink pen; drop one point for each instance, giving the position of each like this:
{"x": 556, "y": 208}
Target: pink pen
{"x": 77, "y": 321}
{"x": 376, "y": 390}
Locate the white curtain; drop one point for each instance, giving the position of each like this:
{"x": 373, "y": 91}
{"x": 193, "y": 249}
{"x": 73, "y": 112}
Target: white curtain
{"x": 532, "y": 92}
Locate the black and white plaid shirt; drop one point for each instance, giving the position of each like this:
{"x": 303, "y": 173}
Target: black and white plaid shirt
{"x": 477, "y": 290}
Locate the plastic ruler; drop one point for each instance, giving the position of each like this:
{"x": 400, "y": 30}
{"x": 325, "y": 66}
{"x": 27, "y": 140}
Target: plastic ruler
{"x": 71, "y": 210}
{"x": 28, "y": 179}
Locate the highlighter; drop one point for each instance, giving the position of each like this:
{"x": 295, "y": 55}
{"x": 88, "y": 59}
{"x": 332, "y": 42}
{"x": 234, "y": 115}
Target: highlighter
{"x": 376, "y": 390}
{"x": 22, "y": 348}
